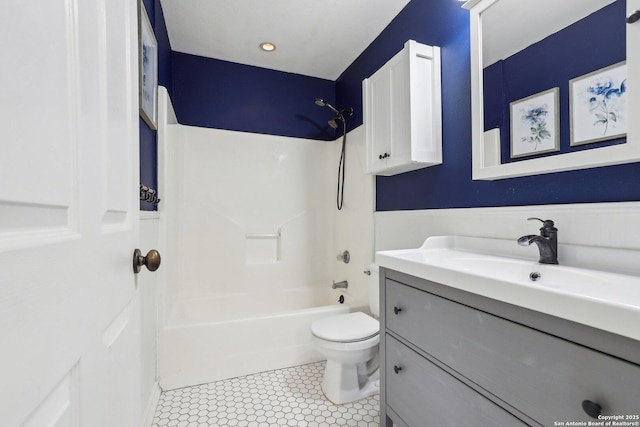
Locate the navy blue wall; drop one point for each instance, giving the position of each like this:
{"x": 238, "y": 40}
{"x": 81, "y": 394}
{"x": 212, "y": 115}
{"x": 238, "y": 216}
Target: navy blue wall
{"x": 552, "y": 62}
{"x": 225, "y": 95}
{"x": 444, "y": 23}
{"x": 214, "y": 93}
{"x": 148, "y": 137}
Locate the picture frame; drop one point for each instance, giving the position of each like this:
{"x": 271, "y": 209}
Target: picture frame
{"x": 535, "y": 124}
{"x": 148, "y": 69}
{"x": 598, "y": 105}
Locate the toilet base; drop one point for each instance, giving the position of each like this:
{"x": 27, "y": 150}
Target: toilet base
{"x": 344, "y": 383}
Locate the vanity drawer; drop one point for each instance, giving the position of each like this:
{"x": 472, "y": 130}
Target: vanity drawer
{"x": 545, "y": 377}
{"x": 423, "y": 394}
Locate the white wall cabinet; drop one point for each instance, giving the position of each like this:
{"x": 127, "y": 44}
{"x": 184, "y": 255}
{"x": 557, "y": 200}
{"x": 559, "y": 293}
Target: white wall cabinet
{"x": 403, "y": 112}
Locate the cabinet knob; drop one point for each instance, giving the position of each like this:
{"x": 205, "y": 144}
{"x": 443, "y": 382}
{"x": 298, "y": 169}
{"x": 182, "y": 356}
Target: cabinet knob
{"x": 633, "y": 17}
{"x": 380, "y": 157}
{"x": 396, "y": 310}
{"x": 397, "y": 369}
{"x": 591, "y": 408}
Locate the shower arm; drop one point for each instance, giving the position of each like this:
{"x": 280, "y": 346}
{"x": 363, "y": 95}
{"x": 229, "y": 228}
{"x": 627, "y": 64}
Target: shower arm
{"x": 335, "y": 110}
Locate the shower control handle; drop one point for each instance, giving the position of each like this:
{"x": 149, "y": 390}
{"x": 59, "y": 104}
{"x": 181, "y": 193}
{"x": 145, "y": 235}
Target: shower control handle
{"x": 344, "y": 256}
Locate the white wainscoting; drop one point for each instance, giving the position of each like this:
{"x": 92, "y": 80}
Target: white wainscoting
{"x": 603, "y": 236}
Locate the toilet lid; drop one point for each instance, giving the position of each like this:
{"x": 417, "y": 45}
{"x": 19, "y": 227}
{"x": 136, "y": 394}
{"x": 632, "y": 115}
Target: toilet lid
{"x": 348, "y": 327}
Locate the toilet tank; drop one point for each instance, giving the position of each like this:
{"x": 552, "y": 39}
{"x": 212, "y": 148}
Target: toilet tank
{"x": 373, "y": 288}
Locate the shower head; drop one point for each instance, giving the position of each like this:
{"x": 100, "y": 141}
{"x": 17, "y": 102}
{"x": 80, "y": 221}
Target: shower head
{"x": 339, "y": 114}
{"x": 322, "y": 103}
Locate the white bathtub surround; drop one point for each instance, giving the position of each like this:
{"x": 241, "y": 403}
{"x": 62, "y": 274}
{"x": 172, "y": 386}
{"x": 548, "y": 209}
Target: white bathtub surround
{"x": 252, "y": 212}
{"x": 599, "y": 236}
{"x": 167, "y": 190}
{"x": 353, "y": 225}
{"x": 250, "y": 229}
{"x": 289, "y": 397}
{"x": 249, "y": 225}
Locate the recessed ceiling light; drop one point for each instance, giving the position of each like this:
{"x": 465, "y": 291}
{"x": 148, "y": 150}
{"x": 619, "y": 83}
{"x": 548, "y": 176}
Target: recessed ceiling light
{"x": 267, "y": 47}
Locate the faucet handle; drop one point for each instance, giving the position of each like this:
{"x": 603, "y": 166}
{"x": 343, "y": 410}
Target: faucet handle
{"x": 545, "y": 222}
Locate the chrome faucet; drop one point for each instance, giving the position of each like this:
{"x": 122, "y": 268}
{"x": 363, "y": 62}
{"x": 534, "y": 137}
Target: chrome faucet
{"x": 344, "y": 284}
{"x": 547, "y": 241}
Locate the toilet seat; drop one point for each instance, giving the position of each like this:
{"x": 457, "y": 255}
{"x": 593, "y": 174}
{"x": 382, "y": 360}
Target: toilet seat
{"x": 345, "y": 328}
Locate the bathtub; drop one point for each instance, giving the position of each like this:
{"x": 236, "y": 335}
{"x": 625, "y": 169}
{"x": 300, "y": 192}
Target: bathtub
{"x": 209, "y": 339}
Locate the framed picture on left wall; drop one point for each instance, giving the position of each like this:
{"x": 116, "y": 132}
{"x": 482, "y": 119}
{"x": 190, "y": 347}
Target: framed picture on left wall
{"x": 148, "y": 68}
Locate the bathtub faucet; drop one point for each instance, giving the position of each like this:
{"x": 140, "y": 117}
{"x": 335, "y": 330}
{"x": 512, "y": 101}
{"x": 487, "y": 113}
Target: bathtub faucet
{"x": 344, "y": 284}
{"x": 547, "y": 242}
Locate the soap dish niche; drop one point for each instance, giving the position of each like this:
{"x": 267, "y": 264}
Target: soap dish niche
{"x": 263, "y": 248}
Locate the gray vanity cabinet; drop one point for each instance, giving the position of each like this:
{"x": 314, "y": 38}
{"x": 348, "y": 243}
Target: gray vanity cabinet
{"x": 452, "y": 358}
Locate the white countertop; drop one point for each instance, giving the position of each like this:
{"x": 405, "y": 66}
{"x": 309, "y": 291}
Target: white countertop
{"x": 603, "y": 300}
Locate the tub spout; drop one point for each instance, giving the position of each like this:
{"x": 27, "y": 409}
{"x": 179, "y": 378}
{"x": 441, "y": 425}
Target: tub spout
{"x": 344, "y": 284}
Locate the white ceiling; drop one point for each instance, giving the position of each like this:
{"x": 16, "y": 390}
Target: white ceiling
{"x": 318, "y": 38}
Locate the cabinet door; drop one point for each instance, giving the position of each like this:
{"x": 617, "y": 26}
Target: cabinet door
{"x": 423, "y": 394}
{"x": 400, "y": 115}
{"x": 377, "y": 113}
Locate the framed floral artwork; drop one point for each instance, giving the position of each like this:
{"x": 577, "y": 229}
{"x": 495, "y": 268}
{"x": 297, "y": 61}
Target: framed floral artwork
{"x": 535, "y": 124}
{"x": 148, "y": 68}
{"x": 598, "y": 105}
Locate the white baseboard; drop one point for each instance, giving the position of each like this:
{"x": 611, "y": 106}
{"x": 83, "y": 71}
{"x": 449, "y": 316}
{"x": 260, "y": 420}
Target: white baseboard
{"x": 152, "y": 404}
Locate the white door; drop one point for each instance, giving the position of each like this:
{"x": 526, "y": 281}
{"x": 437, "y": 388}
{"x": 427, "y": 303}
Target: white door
{"x": 68, "y": 213}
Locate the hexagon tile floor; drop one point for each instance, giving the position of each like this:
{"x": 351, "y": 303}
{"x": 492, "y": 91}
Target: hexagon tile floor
{"x": 286, "y": 397}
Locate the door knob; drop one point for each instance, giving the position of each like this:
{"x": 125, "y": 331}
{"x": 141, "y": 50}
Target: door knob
{"x": 151, "y": 260}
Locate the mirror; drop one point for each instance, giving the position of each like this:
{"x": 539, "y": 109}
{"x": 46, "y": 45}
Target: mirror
{"x": 522, "y": 49}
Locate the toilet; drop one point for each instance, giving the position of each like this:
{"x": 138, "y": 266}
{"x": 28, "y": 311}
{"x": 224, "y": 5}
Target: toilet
{"x": 350, "y": 344}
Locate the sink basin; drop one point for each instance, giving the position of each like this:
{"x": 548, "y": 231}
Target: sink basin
{"x": 604, "y": 300}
